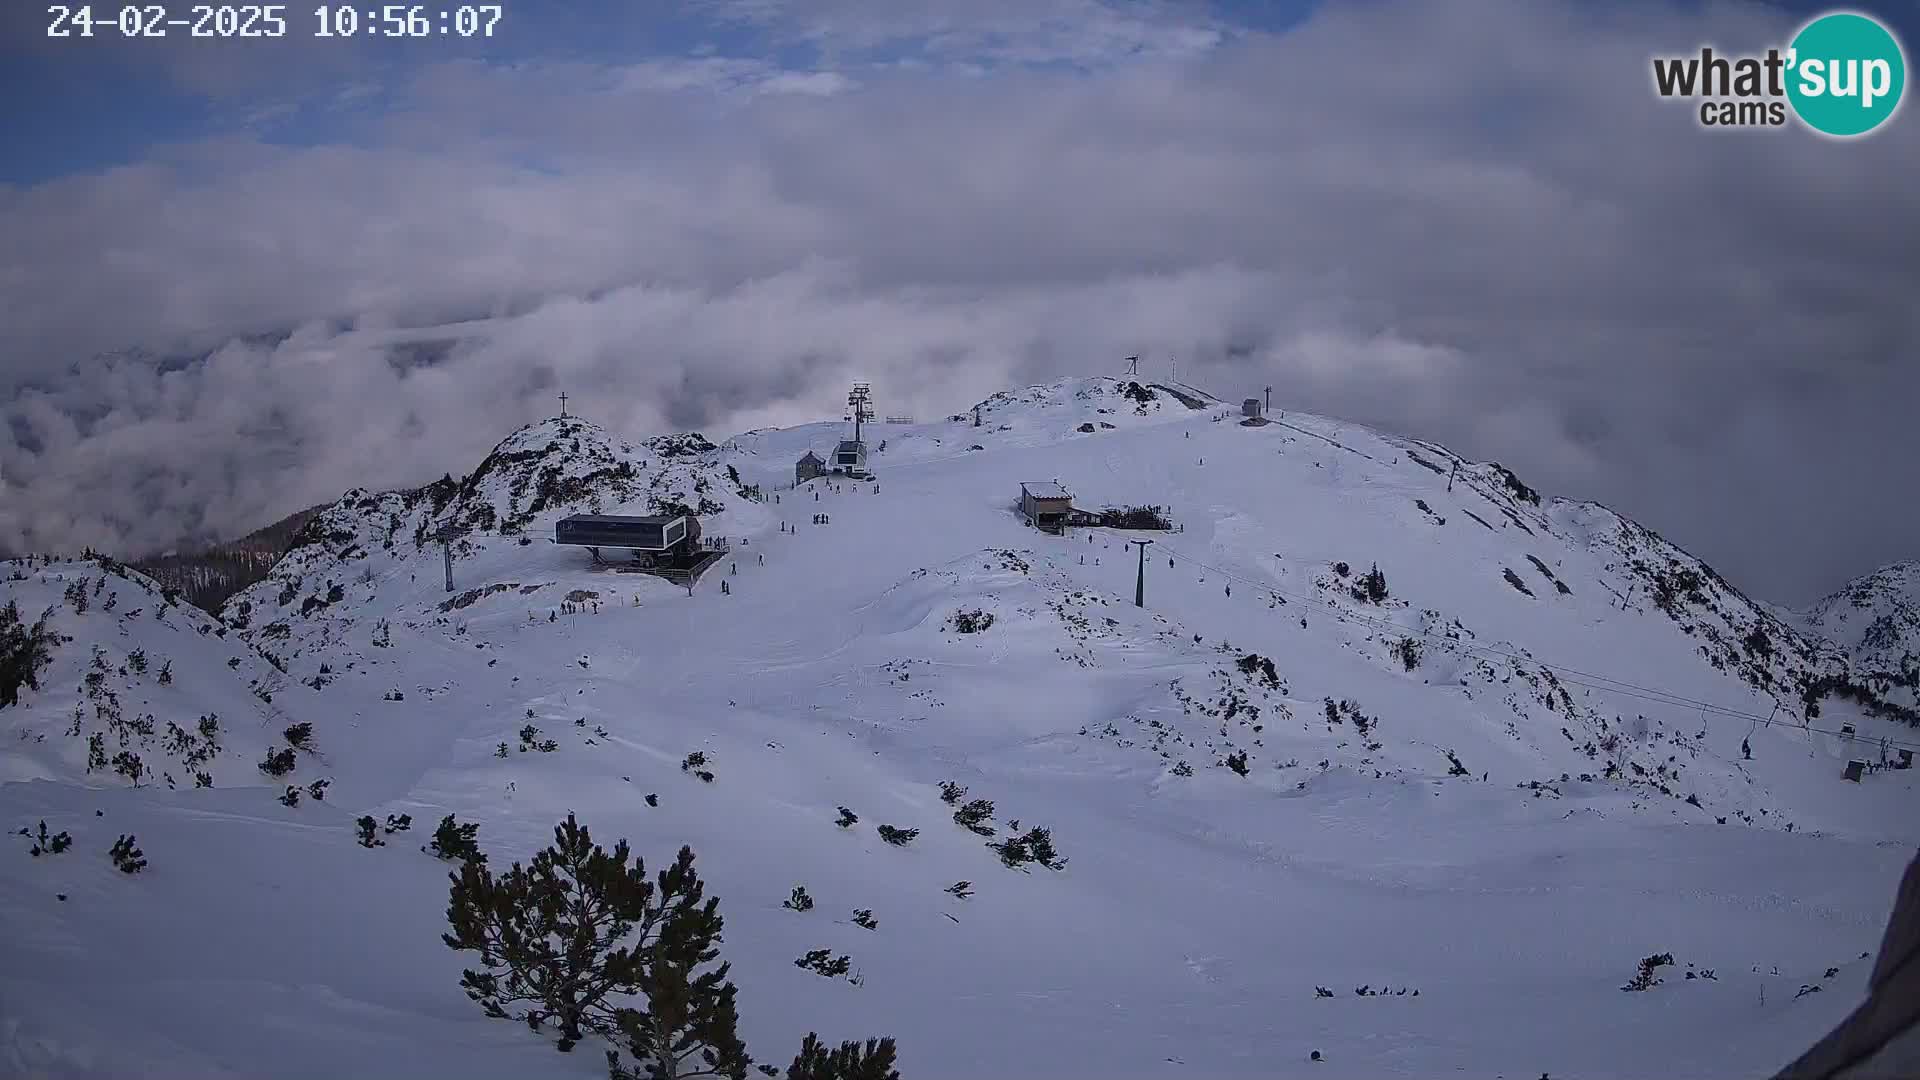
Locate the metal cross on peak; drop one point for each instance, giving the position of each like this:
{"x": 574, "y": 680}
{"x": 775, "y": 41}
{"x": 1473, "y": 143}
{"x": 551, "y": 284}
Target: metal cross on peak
{"x": 563, "y": 403}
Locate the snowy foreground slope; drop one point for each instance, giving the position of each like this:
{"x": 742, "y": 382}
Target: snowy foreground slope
{"x": 1444, "y": 791}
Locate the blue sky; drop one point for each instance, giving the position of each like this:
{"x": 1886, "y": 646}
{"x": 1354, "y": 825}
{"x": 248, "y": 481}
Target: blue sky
{"x": 101, "y": 103}
{"x": 105, "y": 102}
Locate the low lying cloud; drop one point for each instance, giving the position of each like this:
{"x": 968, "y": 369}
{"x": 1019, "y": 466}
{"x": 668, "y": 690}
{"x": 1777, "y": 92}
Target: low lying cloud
{"x": 1476, "y": 226}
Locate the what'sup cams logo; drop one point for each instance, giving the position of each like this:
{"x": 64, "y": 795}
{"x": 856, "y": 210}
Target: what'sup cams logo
{"x": 1843, "y": 75}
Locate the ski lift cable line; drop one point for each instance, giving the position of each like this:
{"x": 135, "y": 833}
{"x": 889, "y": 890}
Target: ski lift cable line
{"x": 1574, "y": 676}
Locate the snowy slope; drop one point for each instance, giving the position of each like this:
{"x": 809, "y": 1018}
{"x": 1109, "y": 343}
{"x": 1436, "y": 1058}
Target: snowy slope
{"x": 1500, "y": 784}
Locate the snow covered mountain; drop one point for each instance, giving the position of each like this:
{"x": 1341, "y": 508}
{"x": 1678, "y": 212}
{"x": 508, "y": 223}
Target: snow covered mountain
{"x": 1389, "y": 720}
{"x": 1876, "y": 619}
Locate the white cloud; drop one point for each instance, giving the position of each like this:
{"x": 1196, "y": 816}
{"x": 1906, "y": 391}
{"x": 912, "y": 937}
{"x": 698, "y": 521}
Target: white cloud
{"x": 1481, "y": 230}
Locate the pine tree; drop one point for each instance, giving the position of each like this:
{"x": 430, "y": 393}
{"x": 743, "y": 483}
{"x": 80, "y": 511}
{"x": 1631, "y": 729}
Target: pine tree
{"x": 369, "y": 832}
{"x": 24, "y": 652}
{"x": 549, "y": 934}
{"x": 1372, "y": 586}
{"x": 580, "y": 931}
{"x": 690, "y": 1025}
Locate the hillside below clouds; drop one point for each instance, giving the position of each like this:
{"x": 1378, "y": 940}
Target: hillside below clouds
{"x": 1397, "y": 745}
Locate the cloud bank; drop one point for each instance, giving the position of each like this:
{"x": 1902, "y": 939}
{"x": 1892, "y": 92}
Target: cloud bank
{"x": 1472, "y": 223}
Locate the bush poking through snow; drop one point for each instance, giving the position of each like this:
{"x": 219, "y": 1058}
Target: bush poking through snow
{"x": 696, "y": 763}
{"x": 971, "y": 622}
{"x": 44, "y": 844}
{"x": 1454, "y": 768}
{"x": 951, "y": 793}
{"x": 864, "y": 917}
{"x": 369, "y": 832}
{"x": 799, "y": 901}
{"x": 398, "y": 823}
{"x": 1255, "y": 666}
{"x": 851, "y": 1061}
{"x": 299, "y": 736}
{"x": 961, "y": 889}
{"x": 290, "y": 797}
{"x": 278, "y": 762}
{"x": 128, "y": 764}
{"x": 453, "y": 840}
{"x": 1033, "y": 846}
{"x": 1181, "y": 768}
{"x": 1646, "y": 978}
{"x": 974, "y": 816}
{"x": 318, "y": 789}
{"x": 1408, "y": 650}
{"x": 530, "y": 740}
{"x": 897, "y": 837}
{"x": 1237, "y": 761}
{"x": 822, "y": 962}
{"x": 127, "y": 858}
{"x": 848, "y": 819}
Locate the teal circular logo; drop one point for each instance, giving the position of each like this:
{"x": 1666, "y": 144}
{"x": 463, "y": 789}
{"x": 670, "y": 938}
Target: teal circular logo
{"x": 1846, "y": 74}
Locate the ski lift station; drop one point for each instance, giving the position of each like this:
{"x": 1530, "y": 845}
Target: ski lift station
{"x": 649, "y": 538}
{"x": 1046, "y": 504}
{"x": 850, "y": 457}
